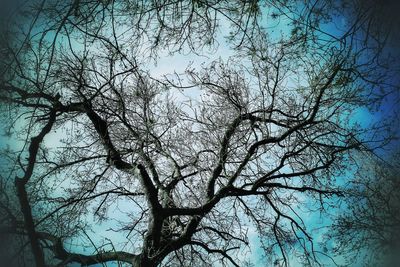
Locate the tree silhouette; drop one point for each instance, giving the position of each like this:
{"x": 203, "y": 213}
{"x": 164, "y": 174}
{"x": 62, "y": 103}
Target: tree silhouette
{"x": 369, "y": 225}
{"x": 180, "y": 166}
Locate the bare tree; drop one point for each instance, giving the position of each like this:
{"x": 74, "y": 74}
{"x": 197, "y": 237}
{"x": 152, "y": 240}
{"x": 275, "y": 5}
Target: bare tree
{"x": 179, "y": 166}
{"x": 370, "y": 224}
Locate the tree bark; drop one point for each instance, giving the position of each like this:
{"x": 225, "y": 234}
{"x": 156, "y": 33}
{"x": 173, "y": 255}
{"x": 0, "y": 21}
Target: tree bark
{"x": 143, "y": 261}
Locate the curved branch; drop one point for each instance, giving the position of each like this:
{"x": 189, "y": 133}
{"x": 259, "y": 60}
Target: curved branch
{"x": 20, "y": 184}
{"x": 68, "y": 257}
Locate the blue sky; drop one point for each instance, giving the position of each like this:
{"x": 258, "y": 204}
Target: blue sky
{"x": 179, "y": 63}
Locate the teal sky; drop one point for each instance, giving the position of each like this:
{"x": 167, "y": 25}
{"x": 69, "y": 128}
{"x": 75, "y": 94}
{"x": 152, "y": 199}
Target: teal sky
{"x": 166, "y": 65}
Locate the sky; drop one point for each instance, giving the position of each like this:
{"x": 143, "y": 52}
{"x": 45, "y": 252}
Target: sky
{"x": 388, "y": 18}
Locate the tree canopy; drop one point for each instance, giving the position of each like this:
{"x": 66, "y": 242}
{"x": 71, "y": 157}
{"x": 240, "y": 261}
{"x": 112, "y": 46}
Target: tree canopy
{"x": 181, "y": 165}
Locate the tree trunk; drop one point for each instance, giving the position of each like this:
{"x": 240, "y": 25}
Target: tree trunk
{"x": 143, "y": 261}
